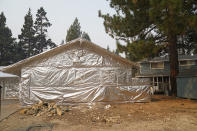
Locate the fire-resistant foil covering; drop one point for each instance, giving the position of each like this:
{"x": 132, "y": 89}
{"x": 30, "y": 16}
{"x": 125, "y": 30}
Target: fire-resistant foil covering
{"x": 80, "y": 75}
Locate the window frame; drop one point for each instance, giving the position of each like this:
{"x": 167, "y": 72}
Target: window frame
{"x": 194, "y": 63}
{"x": 158, "y": 67}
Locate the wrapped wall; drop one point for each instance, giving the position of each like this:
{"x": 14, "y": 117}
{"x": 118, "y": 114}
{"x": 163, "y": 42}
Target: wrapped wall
{"x": 80, "y": 75}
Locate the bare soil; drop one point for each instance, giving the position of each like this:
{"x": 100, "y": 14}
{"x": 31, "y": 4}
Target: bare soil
{"x": 163, "y": 113}
{"x": 8, "y": 107}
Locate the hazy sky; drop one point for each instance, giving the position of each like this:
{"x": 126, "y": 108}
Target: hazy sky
{"x": 61, "y": 14}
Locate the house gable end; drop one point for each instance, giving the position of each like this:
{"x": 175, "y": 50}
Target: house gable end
{"x": 78, "y": 55}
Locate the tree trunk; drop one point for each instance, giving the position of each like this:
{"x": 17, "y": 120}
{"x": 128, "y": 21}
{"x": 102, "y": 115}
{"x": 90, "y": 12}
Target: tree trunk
{"x": 29, "y": 47}
{"x": 174, "y": 66}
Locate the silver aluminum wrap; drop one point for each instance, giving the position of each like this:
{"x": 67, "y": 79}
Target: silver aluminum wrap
{"x": 80, "y": 75}
{"x": 141, "y": 81}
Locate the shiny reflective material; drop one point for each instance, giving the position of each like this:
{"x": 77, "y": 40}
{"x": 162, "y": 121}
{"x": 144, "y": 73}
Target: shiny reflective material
{"x": 80, "y": 75}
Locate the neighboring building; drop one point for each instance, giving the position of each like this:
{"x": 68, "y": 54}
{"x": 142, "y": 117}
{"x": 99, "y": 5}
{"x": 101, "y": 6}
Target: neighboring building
{"x": 9, "y": 83}
{"x": 158, "y": 69}
{"x": 77, "y": 72}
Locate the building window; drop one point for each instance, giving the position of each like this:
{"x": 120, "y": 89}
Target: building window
{"x": 187, "y": 62}
{"x": 157, "y": 65}
{"x": 161, "y": 83}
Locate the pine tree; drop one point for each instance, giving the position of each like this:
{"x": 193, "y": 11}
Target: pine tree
{"x": 74, "y": 31}
{"x": 41, "y": 24}
{"x": 27, "y": 37}
{"x": 51, "y": 44}
{"x": 62, "y": 42}
{"x": 108, "y": 48}
{"x": 161, "y": 21}
{"x": 187, "y": 43}
{"x": 85, "y": 36}
{"x": 6, "y": 43}
{"x": 117, "y": 51}
{"x": 140, "y": 49}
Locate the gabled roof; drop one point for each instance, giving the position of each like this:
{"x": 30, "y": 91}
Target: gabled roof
{"x": 60, "y": 48}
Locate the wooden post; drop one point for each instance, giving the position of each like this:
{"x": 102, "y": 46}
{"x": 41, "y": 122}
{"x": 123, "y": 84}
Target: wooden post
{"x": 3, "y": 90}
{"x": 170, "y": 88}
{"x": 0, "y": 99}
{"x": 162, "y": 83}
{"x": 158, "y": 82}
{"x": 153, "y": 83}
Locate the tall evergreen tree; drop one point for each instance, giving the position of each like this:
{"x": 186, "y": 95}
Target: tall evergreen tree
{"x": 85, "y": 36}
{"x": 108, "y": 48}
{"x": 74, "y": 31}
{"x": 161, "y": 21}
{"x": 6, "y": 43}
{"x": 27, "y": 37}
{"x": 116, "y": 51}
{"x": 187, "y": 43}
{"x": 139, "y": 50}
{"x": 62, "y": 42}
{"x": 41, "y": 24}
{"x": 51, "y": 44}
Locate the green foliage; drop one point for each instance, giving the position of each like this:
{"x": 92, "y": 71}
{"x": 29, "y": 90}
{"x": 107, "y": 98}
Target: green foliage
{"x": 161, "y": 21}
{"x": 141, "y": 49}
{"x": 2, "y": 20}
{"x": 85, "y": 36}
{"x": 74, "y": 31}
{"x": 27, "y": 37}
{"x": 118, "y": 48}
{"x": 116, "y": 51}
{"x": 7, "y": 42}
{"x": 187, "y": 43}
{"x": 108, "y": 48}
{"x": 41, "y": 24}
{"x": 32, "y": 40}
{"x": 62, "y": 42}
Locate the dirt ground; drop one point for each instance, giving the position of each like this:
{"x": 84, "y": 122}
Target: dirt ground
{"x": 8, "y": 107}
{"x": 163, "y": 113}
